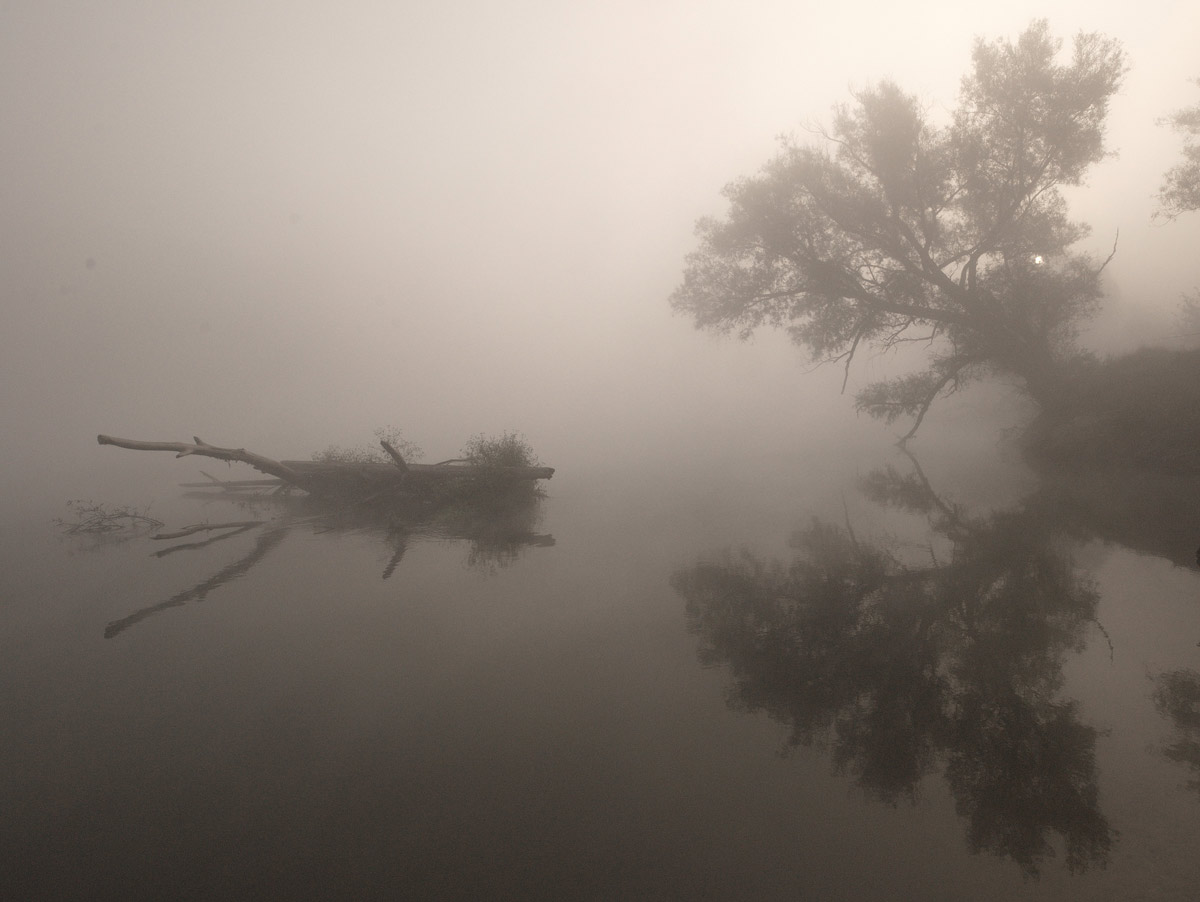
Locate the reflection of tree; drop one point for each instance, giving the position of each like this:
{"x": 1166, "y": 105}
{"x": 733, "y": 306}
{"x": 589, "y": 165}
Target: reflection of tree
{"x": 1177, "y": 697}
{"x": 497, "y": 527}
{"x": 906, "y": 668}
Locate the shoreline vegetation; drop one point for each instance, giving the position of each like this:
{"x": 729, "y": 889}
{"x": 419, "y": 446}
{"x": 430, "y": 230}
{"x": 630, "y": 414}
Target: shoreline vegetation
{"x": 1139, "y": 411}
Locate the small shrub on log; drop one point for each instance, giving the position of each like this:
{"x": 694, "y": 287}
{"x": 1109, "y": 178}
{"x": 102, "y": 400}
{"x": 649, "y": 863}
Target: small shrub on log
{"x": 364, "y": 454}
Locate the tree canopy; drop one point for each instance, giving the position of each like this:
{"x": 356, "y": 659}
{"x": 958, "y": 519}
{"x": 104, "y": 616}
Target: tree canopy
{"x": 893, "y": 228}
{"x": 1181, "y": 185}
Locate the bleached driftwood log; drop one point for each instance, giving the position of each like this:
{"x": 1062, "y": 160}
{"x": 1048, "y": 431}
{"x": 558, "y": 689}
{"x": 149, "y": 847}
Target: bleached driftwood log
{"x": 203, "y": 449}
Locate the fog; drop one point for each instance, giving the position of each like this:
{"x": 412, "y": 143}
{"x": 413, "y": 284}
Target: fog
{"x": 280, "y": 226}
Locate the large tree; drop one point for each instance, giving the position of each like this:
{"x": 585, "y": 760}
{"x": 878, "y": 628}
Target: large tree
{"x": 893, "y": 227}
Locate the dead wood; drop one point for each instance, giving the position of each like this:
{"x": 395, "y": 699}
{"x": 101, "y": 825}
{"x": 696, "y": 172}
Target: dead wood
{"x": 400, "y": 462}
{"x": 332, "y": 476}
{"x": 203, "y": 449}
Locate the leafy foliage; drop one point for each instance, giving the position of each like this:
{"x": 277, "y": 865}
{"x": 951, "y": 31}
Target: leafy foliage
{"x": 1181, "y": 185}
{"x": 489, "y": 454}
{"x": 894, "y": 227}
{"x": 1140, "y": 410}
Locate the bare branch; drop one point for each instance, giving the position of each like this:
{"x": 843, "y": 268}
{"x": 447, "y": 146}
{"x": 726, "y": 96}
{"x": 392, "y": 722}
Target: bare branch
{"x": 203, "y": 449}
{"x": 951, "y": 375}
{"x": 1112, "y": 254}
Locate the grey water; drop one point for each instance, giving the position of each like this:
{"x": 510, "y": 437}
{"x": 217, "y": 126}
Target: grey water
{"x": 819, "y": 671}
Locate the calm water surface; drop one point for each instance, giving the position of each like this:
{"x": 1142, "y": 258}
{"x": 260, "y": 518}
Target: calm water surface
{"x": 828, "y": 673}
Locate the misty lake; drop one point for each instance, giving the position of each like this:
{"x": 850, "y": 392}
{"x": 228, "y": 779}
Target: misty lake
{"x": 818, "y": 671}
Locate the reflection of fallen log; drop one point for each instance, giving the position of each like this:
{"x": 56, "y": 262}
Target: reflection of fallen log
{"x": 338, "y": 477}
{"x": 238, "y": 568}
{"x": 496, "y": 528}
{"x": 194, "y": 546}
{"x": 206, "y": 527}
{"x": 452, "y": 469}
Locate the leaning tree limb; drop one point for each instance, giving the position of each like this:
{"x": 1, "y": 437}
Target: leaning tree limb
{"x": 203, "y": 449}
{"x": 400, "y": 462}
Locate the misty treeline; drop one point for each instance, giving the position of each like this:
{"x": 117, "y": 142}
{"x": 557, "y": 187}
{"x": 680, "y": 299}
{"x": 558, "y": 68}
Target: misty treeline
{"x": 893, "y": 227}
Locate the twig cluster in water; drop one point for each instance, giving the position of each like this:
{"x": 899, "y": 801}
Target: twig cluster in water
{"x": 93, "y": 518}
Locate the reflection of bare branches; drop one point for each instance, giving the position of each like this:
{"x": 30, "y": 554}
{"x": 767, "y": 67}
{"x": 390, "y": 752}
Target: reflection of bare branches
{"x": 192, "y": 546}
{"x": 912, "y": 493}
{"x": 205, "y": 527}
{"x": 397, "y": 555}
{"x": 266, "y": 542}
{"x": 93, "y": 518}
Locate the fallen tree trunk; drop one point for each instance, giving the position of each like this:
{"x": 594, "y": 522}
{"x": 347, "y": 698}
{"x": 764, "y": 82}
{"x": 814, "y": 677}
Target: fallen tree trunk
{"x": 325, "y": 477}
{"x": 203, "y": 449}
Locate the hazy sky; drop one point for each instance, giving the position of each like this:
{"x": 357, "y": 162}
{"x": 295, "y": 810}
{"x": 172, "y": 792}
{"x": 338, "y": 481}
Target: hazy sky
{"x": 282, "y": 224}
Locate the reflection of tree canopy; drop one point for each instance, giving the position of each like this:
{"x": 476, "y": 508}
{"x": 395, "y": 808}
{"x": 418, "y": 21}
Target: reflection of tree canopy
{"x": 1177, "y": 697}
{"x": 904, "y": 669}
